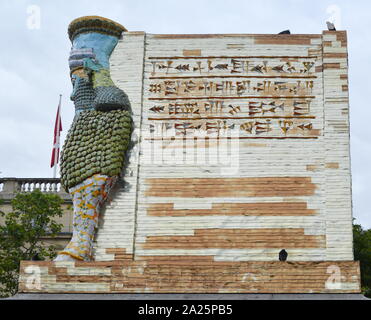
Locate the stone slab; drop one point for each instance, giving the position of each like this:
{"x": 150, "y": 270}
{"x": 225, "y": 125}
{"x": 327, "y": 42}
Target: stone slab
{"x": 47, "y": 296}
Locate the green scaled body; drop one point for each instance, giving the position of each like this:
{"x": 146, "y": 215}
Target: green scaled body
{"x": 96, "y": 143}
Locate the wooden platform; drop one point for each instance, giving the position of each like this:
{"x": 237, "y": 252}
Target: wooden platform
{"x": 201, "y": 275}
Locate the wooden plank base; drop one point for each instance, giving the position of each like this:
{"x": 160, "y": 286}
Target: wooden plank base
{"x": 152, "y": 275}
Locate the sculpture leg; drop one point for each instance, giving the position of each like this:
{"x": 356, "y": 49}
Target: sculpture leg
{"x": 88, "y": 197}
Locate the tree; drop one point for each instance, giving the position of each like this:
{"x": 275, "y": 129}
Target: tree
{"x": 22, "y": 232}
{"x": 362, "y": 253}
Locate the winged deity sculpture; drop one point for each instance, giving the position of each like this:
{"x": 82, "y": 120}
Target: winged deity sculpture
{"x": 93, "y": 155}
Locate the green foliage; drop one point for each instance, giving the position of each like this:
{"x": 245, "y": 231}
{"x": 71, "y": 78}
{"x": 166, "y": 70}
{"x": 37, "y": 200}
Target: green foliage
{"x": 362, "y": 253}
{"x": 22, "y": 232}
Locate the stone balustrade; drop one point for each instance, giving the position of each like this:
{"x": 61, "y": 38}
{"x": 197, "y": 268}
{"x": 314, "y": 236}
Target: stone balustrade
{"x": 9, "y": 187}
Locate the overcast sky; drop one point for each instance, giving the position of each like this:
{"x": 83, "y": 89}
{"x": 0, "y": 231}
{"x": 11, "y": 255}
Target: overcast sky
{"x": 34, "y": 68}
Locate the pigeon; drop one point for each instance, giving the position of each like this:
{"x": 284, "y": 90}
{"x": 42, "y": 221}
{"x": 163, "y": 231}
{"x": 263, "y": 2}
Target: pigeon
{"x": 330, "y": 26}
{"x": 285, "y": 32}
{"x": 282, "y": 255}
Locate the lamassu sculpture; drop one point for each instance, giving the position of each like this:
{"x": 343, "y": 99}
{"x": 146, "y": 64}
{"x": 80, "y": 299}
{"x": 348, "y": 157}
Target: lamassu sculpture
{"x": 93, "y": 154}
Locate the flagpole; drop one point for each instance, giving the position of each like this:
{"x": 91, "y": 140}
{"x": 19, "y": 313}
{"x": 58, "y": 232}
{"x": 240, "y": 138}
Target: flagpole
{"x": 57, "y": 140}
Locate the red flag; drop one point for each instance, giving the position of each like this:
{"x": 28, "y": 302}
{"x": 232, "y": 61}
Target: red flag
{"x": 57, "y": 134}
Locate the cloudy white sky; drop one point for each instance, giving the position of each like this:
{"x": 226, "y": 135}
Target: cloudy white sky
{"x": 34, "y": 68}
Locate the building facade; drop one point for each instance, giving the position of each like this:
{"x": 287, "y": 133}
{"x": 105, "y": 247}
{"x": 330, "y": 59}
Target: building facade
{"x": 240, "y": 151}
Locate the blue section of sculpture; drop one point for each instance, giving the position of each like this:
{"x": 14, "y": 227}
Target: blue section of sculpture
{"x": 94, "y": 89}
{"x": 102, "y": 45}
{"x": 91, "y": 65}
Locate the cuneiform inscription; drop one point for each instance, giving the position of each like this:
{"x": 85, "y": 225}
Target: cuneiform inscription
{"x": 240, "y": 127}
{"x": 224, "y": 108}
{"x": 202, "y": 87}
{"x": 249, "y": 95}
{"x": 216, "y": 66}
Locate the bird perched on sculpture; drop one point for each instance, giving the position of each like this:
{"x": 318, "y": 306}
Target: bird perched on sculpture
{"x": 285, "y": 32}
{"x": 330, "y": 26}
{"x": 282, "y": 256}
